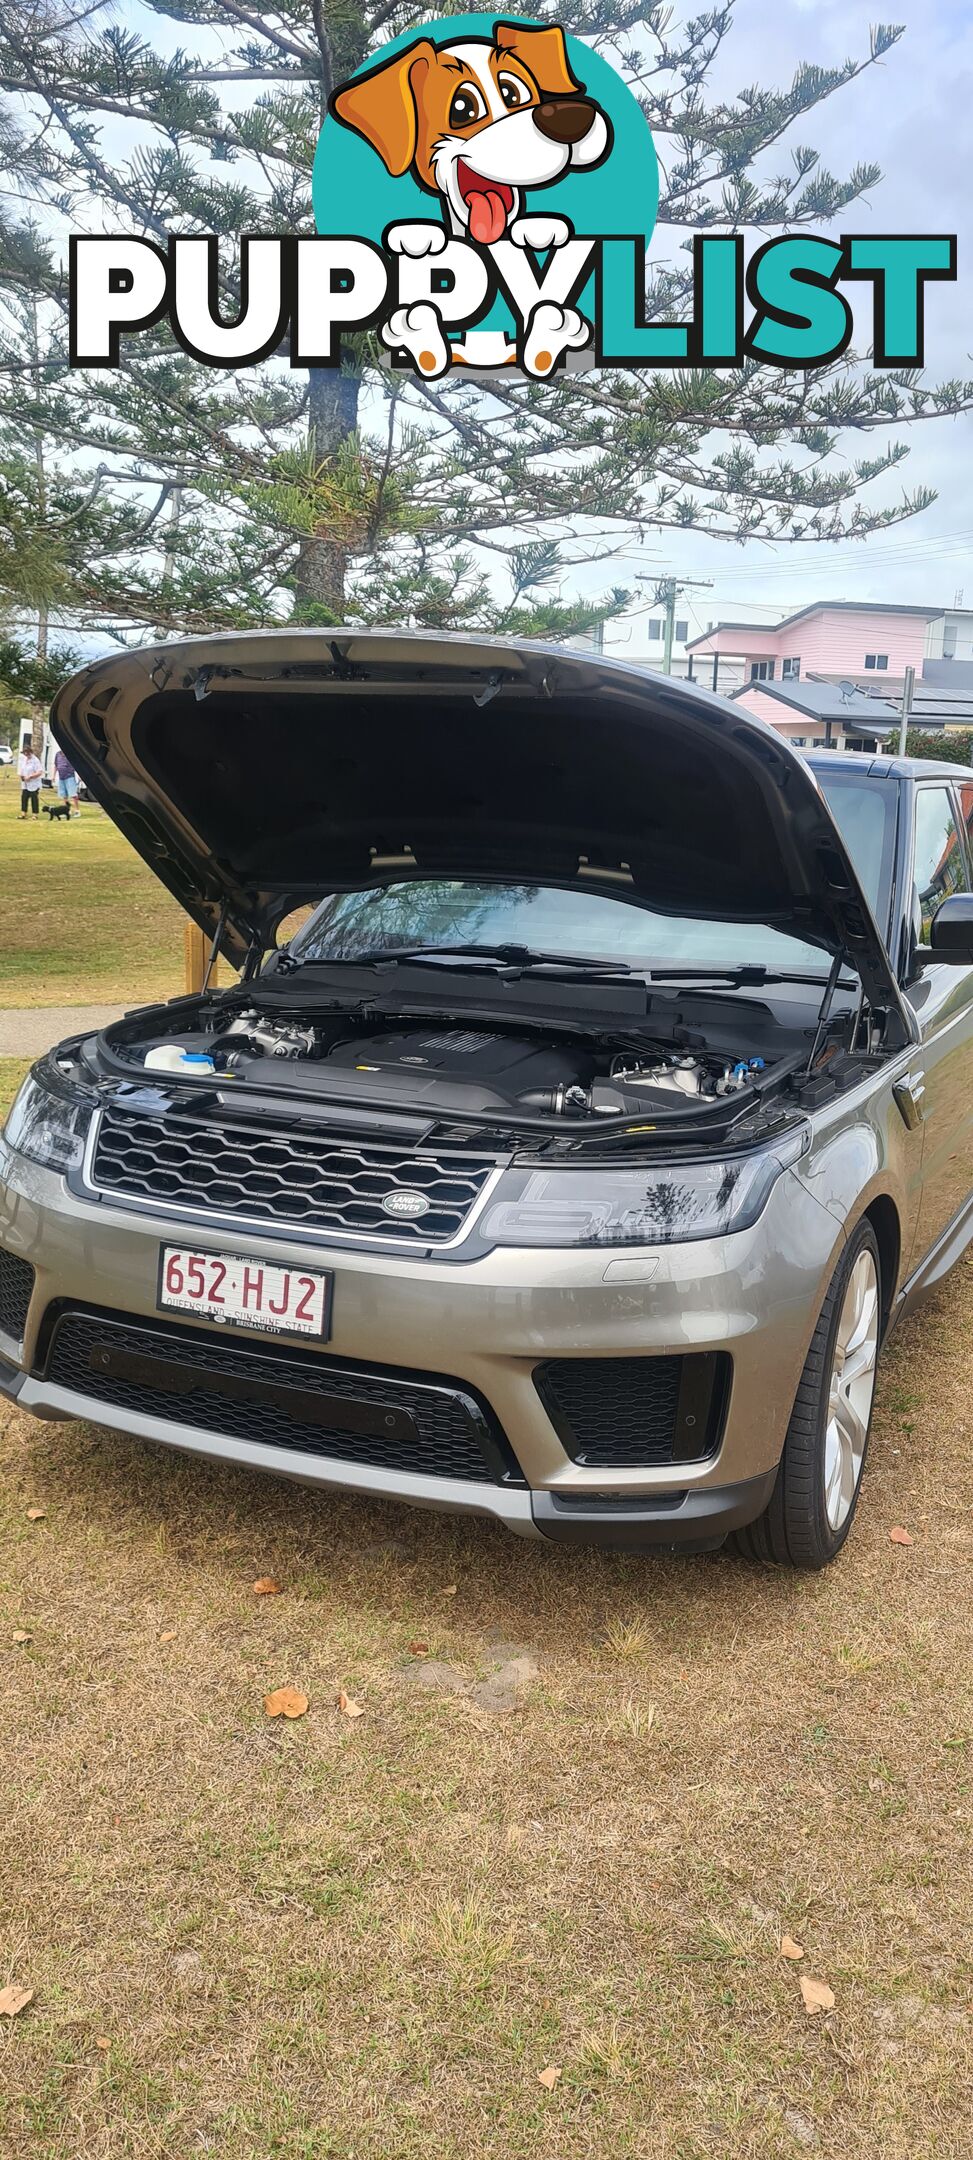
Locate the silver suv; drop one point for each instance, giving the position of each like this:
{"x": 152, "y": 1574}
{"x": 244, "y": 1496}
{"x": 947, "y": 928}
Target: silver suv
{"x": 570, "y": 1162}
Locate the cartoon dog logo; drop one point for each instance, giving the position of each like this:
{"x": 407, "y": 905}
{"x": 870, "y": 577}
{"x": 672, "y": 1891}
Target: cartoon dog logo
{"x": 478, "y": 123}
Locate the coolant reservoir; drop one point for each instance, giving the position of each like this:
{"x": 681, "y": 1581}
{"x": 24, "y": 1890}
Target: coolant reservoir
{"x": 171, "y": 1057}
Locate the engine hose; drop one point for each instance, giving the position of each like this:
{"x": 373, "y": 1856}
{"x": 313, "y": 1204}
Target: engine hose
{"x": 601, "y": 1100}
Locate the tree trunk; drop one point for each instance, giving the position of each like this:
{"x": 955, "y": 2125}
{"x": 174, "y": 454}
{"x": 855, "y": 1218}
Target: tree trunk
{"x": 322, "y": 563}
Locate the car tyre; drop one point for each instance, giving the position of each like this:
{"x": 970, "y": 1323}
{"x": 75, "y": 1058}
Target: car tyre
{"x": 812, "y": 1506}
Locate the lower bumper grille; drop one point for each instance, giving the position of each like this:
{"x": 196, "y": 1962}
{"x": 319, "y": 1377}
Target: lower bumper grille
{"x": 280, "y": 1398}
{"x": 638, "y": 1412}
{"x": 16, "y": 1285}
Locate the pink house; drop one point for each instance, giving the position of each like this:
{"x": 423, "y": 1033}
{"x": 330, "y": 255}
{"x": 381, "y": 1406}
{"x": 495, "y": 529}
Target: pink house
{"x": 832, "y": 638}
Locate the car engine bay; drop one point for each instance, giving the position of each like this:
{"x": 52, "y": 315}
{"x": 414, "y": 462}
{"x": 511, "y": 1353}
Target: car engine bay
{"x": 483, "y": 1069}
{"x": 577, "y": 1075}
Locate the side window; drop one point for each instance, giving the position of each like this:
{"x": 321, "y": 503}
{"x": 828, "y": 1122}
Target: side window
{"x": 939, "y": 865}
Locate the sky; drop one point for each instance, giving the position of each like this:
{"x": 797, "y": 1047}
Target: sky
{"x": 910, "y": 115}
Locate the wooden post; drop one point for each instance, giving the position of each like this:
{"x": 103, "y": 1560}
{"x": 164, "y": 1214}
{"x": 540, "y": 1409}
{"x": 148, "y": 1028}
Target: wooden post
{"x": 196, "y": 955}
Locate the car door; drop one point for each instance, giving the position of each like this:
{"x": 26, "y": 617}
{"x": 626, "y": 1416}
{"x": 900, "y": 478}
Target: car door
{"x": 942, "y": 997}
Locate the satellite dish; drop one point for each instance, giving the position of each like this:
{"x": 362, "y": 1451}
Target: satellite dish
{"x": 847, "y": 690}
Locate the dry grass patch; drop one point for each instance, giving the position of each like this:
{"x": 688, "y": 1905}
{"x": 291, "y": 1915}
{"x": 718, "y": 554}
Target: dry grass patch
{"x": 337, "y": 1939}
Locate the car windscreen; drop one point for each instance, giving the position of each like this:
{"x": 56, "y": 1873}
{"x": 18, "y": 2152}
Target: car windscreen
{"x": 545, "y": 919}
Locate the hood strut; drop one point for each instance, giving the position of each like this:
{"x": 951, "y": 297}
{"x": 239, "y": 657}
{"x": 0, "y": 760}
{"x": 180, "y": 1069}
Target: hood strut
{"x": 824, "y": 1010}
{"x": 214, "y": 951}
{"x": 251, "y": 965}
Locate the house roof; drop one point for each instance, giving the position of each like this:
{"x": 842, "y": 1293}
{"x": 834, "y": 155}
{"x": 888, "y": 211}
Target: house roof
{"x": 941, "y": 708}
{"x": 845, "y": 607}
{"x": 823, "y": 701}
{"x": 942, "y": 696}
{"x": 955, "y": 675}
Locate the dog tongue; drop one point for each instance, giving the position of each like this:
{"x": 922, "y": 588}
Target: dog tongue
{"x": 488, "y": 216}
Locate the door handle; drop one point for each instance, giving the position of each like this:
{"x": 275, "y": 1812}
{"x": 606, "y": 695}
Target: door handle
{"x": 907, "y": 1094}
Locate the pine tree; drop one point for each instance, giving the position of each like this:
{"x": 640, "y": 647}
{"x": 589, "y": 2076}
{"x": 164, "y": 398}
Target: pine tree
{"x": 193, "y": 497}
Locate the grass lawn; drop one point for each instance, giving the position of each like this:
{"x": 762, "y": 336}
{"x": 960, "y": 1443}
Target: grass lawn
{"x": 82, "y": 919}
{"x": 363, "y": 1938}
{"x": 12, "y": 1072}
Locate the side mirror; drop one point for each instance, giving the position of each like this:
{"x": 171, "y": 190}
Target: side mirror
{"x": 951, "y": 932}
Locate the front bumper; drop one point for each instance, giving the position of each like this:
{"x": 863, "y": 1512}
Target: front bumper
{"x": 753, "y": 1296}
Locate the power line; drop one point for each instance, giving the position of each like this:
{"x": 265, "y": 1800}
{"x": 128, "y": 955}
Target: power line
{"x": 861, "y": 556}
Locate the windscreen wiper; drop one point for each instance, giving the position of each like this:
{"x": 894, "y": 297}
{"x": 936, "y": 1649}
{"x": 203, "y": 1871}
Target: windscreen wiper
{"x": 750, "y": 975}
{"x": 509, "y": 956}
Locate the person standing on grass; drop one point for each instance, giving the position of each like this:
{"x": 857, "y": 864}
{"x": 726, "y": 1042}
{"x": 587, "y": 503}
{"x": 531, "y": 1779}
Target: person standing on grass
{"x": 67, "y": 781}
{"x": 31, "y": 773}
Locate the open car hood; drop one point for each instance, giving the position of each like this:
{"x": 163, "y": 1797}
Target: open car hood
{"x": 256, "y": 770}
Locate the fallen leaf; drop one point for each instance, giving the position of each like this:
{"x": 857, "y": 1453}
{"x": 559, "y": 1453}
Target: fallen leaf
{"x": 36, "y": 1514}
{"x": 265, "y": 1586}
{"x": 20, "y": 1635}
{"x": 168, "y": 1634}
{"x": 789, "y": 1948}
{"x": 817, "y": 1996}
{"x": 549, "y": 2077}
{"x": 450, "y": 1590}
{"x": 348, "y": 1706}
{"x": 103, "y": 2043}
{"x": 14, "y": 1999}
{"x": 418, "y": 1649}
{"x": 898, "y": 1536}
{"x": 285, "y": 1702}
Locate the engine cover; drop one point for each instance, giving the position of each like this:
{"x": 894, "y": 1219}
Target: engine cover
{"x": 473, "y": 1068}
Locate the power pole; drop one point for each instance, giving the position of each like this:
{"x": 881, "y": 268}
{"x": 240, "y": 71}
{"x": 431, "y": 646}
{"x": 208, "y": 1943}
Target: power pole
{"x": 667, "y": 591}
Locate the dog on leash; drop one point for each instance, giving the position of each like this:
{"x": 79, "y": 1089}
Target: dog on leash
{"x": 56, "y": 810}
{"x": 478, "y": 123}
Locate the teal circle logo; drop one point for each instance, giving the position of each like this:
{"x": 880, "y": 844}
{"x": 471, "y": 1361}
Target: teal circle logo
{"x": 483, "y": 156}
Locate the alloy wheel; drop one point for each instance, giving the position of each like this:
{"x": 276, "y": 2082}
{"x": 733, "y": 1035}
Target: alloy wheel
{"x": 851, "y": 1390}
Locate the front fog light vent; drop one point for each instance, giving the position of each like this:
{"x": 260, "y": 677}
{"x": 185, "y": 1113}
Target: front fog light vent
{"x": 636, "y": 1413}
{"x": 16, "y": 1286}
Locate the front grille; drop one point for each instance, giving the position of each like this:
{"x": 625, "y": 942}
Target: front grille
{"x": 638, "y": 1412}
{"x": 280, "y": 1397}
{"x": 16, "y": 1284}
{"x": 270, "y": 1174}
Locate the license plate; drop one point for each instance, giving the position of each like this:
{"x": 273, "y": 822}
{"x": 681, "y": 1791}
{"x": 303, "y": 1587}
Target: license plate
{"x": 242, "y": 1291}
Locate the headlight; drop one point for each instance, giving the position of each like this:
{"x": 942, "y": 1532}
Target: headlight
{"x": 668, "y": 1205}
{"x": 47, "y": 1122}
